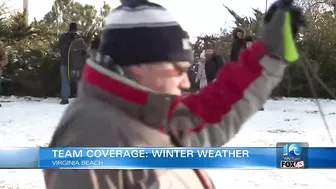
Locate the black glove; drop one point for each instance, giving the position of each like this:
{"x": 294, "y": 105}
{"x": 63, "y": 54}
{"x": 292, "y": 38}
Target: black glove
{"x": 280, "y": 26}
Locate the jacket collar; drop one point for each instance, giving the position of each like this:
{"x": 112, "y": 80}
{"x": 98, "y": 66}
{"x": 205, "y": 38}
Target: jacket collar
{"x": 141, "y": 103}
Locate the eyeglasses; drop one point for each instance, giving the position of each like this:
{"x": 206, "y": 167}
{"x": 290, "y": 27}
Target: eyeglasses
{"x": 208, "y": 51}
{"x": 180, "y": 69}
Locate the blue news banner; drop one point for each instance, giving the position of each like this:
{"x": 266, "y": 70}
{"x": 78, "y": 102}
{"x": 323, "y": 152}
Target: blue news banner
{"x": 284, "y": 155}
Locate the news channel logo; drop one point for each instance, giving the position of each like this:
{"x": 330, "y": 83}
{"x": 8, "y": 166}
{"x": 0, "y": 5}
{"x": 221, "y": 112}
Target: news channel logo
{"x": 292, "y": 156}
{"x": 292, "y": 150}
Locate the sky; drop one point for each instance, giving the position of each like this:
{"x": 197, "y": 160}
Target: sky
{"x": 195, "y": 16}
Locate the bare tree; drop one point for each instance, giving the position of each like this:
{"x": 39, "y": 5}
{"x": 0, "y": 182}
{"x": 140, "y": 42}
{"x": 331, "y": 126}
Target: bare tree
{"x": 6, "y": 7}
{"x": 317, "y": 6}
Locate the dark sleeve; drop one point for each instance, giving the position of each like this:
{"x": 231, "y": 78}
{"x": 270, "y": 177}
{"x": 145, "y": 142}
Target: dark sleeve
{"x": 219, "y": 61}
{"x": 95, "y": 43}
{"x": 62, "y": 43}
{"x": 232, "y": 53}
{"x": 85, "y": 48}
{"x": 3, "y": 57}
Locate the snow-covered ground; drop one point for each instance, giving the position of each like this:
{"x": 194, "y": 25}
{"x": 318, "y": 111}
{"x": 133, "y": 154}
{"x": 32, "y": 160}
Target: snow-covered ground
{"x": 28, "y": 122}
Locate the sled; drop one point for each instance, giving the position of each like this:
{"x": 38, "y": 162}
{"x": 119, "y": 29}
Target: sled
{"x": 76, "y": 59}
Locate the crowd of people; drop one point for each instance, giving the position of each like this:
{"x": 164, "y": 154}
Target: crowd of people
{"x": 211, "y": 62}
{"x": 74, "y": 52}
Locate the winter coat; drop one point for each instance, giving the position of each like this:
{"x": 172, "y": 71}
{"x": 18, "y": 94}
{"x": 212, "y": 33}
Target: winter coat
{"x": 3, "y": 58}
{"x": 112, "y": 111}
{"x": 201, "y": 76}
{"x": 237, "y": 45}
{"x": 200, "y": 71}
{"x": 212, "y": 66}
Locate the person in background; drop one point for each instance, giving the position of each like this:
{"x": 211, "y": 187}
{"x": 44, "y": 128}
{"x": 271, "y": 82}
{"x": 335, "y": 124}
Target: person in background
{"x": 130, "y": 95}
{"x": 72, "y": 55}
{"x": 213, "y": 63}
{"x": 238, "y": 43}
{"x": 3, "y": 63}
{"x": 96, "y": 41}
{"x": 200, "y": 75}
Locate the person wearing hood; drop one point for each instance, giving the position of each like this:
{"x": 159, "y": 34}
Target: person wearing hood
{"x": 130, "y": 96}
{"x": 73, "y": 52}
{"x": 238, "y": 43}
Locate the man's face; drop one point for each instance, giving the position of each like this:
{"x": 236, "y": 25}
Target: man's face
{"x": 163, "y": 77}
{"x": 208, "y": 53}
{"x": 239, "y": 35}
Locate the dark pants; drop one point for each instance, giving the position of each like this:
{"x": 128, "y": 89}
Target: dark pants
{"x": 65, "y": 88}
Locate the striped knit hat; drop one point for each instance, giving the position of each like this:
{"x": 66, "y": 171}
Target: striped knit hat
{"x": 143, "y": 32}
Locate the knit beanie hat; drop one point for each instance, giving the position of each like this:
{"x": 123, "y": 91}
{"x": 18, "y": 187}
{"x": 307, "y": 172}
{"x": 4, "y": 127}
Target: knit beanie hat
{"x": 73, "y": 26}
{"x": 139, "y": 31}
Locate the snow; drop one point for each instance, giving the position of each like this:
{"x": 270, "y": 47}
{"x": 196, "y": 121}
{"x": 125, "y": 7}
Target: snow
{"x": 30, "y": 122}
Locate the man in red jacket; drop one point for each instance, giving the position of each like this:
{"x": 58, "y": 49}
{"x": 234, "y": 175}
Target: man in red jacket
{"x": 130, "y": 95}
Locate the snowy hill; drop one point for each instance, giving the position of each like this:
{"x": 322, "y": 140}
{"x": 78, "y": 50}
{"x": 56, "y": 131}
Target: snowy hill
{"x": 30, "y": 122}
